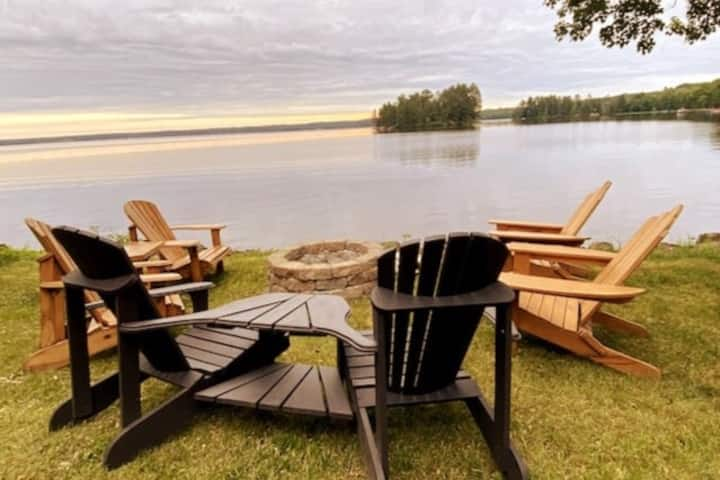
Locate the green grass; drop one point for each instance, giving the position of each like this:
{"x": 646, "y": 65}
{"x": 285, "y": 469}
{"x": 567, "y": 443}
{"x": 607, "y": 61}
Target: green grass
{"x": 571, "y": 418}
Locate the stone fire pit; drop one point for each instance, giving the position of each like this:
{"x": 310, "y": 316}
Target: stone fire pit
{"x": 342, "y": 267}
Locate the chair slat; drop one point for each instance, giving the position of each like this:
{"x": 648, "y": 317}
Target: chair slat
{"x": 432, "y": 251}
{"x": 406, "y": 274}
{"x": 581, "y": 215}
{"x": 280, "y": 393}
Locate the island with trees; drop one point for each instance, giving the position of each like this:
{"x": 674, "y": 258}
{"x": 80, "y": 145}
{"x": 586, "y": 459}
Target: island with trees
{"x": 697, "y": 98}
{"x": 455, "y": 108}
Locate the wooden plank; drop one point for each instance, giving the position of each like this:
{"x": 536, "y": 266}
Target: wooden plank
{"x": 553, "y": 238}
{"x": 527, "y": 226}
{"x": 570, "y": 288}
{"x": 308, "y": 397}
{"x": 211, "y": 393}
{"x": 406, "y": 274}
{"x": 386, "y": 269}
{"x": 428, "y": 278}
{"x": 483, "y": 263}
{"x": 363, "y": 360}
{"x": 250, "y": 393}
{"x": 278, "y": 313}
{"x": 328, "y": 315}
{"x": 336, "y": 397}
{"x": 208, "y": 346}
{"x": 561, "y": 252}
{"x": 237, "y": 332}
{"x": 203, "y": 356}
{"x": 247, "y": 316}
{"x": 138, "y": 251}
{"x": 277, "y": 396}
{"x": 362, "y": 372}
{"x": 458, "y": 390}
{"x": 202, "y": 366}
{"x": 219, "y": 337}
{"x": 586, "y": 208}
{"x": 456, "y": 252}
{"x": 452, "y": 330}
{"x": 298, "y": 319}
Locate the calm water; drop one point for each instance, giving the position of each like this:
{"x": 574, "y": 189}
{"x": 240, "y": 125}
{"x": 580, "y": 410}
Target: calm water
{"x": 275, "y": 190}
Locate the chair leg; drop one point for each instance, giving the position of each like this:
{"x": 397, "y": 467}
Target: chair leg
{"x": 152, "y": 429}
{"x": 495, "y": 426}
{"x": 507, "y": 459}
{"x": 373, "y": 458}
{"x": 618, "y": 324}
{"x": 103, "y": 394}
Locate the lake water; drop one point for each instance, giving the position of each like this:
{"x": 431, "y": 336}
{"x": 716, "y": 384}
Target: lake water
{"x": 279, "y": 189}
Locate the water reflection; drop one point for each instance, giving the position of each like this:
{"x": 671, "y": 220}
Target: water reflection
{"x": 715, "y": 136}
{"x": 434, "y": 149}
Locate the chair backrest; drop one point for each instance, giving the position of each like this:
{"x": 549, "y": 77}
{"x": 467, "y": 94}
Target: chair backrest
{"x": 581, "y": 215}
{"x": 44, "y": 235}
{"x": 425, "y": 349}
{"x": 147, "y": 218}
{"x": 101, "y": 259}
{"x": 632, "y": 254}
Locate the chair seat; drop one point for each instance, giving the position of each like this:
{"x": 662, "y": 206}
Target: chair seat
{"x": 209, "y": 349}
{"x": 560, "y": 311}
{"x": 286, "y": 388}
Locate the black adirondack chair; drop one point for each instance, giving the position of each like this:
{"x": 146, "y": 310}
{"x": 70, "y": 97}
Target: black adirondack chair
{"x": 198, "y": 358}
{"x": 429, "y": 300}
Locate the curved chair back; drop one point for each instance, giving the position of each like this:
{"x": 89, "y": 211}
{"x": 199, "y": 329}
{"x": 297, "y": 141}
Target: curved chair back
{"x": 426, "y": 348}
{"x": 146, "y": 216}
{"x": 97, "y": 258}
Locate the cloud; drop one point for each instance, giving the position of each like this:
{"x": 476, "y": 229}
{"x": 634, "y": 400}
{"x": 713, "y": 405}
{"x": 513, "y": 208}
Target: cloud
{"x": 273, "y": 56}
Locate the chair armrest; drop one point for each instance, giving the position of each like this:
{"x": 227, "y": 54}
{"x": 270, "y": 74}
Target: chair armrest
{"x": 181, "y": 288}
{"x": 570, "y": 288}
{"x": 524, "y": 252}
{"x": 520, "y": 225}
{"x": 209, "y": 226}
{"x": 182, "y": 243}
{"x": 537, "y": 237}
{"x": 160, "y": 277}
{"x": 152, "y": 263}
{"x": 213, "y": 227}
{"x": 494, "y": 294}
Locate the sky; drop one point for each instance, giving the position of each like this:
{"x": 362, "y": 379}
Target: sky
{"x": 141, "y": 64}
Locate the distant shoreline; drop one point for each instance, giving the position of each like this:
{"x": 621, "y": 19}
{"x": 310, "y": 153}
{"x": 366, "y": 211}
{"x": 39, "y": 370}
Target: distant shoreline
{"x": 186, "y": 132}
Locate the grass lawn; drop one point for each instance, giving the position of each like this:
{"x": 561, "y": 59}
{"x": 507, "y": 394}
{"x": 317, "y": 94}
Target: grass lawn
{"x": 571, "y": 418}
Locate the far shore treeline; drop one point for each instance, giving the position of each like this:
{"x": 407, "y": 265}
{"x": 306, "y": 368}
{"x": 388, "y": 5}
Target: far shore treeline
{"x": 551, "y": 108}
{"x": 455, "y": 108}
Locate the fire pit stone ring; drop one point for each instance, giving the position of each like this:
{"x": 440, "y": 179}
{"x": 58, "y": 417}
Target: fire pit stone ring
{"x": 339, "y": 267}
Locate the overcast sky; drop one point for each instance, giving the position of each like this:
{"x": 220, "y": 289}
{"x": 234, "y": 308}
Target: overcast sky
{"x": 306, "y": 56}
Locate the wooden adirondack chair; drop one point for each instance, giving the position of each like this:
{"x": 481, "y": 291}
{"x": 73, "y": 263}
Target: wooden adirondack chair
{"x": 102, "y": 334}
{"x": 199, "y": 357}
{"x": 429, "y": 300}
{"x": 552, "y": 233}
{"x": 563, "y": 312}
{"x": 187, "y": 257}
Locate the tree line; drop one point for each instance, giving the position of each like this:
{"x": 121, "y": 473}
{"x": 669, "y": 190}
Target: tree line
{"x": 456, "y": 107}
{"x": 561, "y": 108}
